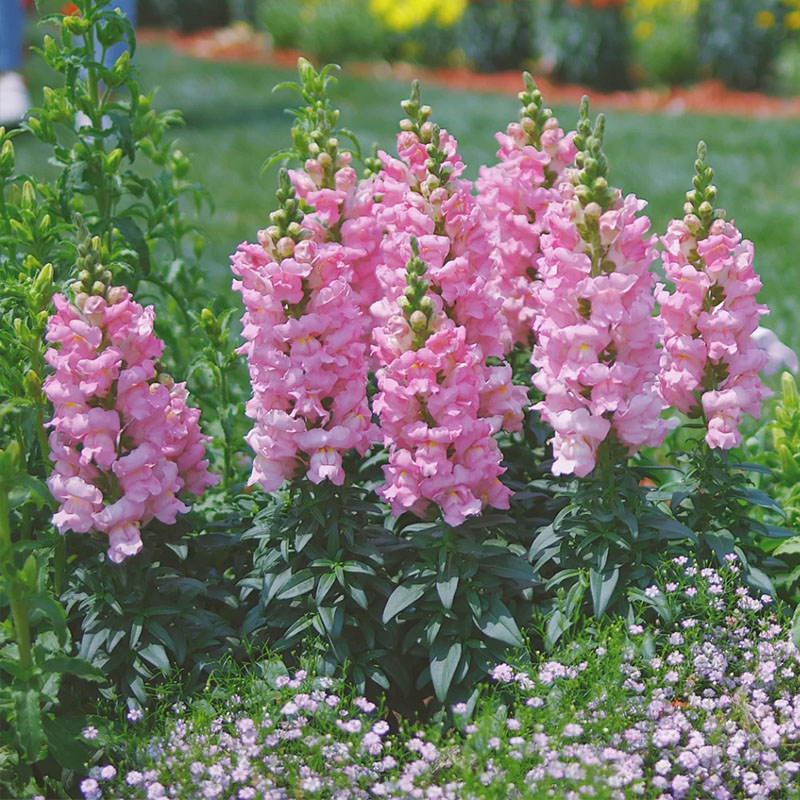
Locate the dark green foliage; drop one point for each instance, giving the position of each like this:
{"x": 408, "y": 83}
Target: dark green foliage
{"x": 497, "y": 35}
{"x": 732, "y": 47}
{"x": 588, "y": 45}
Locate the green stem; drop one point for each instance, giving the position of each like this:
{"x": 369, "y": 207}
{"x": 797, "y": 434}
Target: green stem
{"x": 59, "y": 565}
{"x": 19, "y": 614}
{"x": 228, "y": 449}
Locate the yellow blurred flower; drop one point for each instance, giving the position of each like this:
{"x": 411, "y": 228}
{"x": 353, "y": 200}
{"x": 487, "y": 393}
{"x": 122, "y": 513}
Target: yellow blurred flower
{"x": 450, "y": 11}
{"x": 792, "y": 20}
{"x": 403, "y": 15}
{"x": 643, "y": 30}
{"x": 765, "y": 19}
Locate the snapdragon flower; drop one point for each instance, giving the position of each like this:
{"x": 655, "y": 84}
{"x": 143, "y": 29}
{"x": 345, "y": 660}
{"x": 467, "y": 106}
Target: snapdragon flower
{"x": 711, "y": 359}
{"x": 596, "y": 338}
{"x": 305, "y": 349}
{"x": 125, "y": 443}
{"x": 439, "y": 406}
{"x": 514, "y": 196}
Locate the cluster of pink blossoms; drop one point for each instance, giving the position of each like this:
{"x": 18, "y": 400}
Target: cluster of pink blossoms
{"x": 307, "y": 357}
{"x": 443, "y": 215}
{"x": 124, "y": 441}
{"x": 514, "y": 196}
{"x": 597, "y": 340}
{"x": 710, "y": 360}
{"x": 439, "y": 407}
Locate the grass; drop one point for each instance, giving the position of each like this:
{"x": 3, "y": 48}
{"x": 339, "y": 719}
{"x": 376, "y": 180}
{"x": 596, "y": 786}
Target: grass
{"x": 234, "y": 121}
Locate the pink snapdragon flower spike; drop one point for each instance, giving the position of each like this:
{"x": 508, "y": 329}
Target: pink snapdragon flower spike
{"x": 596, "y": 338}
{"x": 125, "y": 444}
{"x": 338, "y": 207}
{"x": 439, "y": 406}
{"x": 421, "y": 194}
{"x": 306, "y": 352}
{"x": 711, "y": 357}
{"x": 514, "y": 196}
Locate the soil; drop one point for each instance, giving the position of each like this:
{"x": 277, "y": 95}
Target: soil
{"x": 239, "y": 43}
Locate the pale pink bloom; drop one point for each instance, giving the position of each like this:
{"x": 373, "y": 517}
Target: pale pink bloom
{"x": 114, "y": 424}
{"x": 710, "y": 319}
{"x": 124, "y": 540}
{"x": 79, "y": 501}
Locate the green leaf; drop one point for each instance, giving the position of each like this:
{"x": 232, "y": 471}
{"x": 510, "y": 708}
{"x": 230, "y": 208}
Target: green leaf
{"x": 64, "y": 743}
{"x": 135, "y": 238}
{"x": 74, "y": 666}
{"x": 447, "y": 585}
{"x": 760, "y": 580}
{"x": 788, "y": 547}
{"x": 300, "y": 583}
{"x": 668, "y": 527}
{"x": 136, "y": 632}
{"x": 497, "y": 623}
{"x": 444, "y": 658}
{"x": 557, "y": 624}
{"x": 402, "y": 597}
{"x": 513, "y": 567}
{"x": 602, "y": 585}
{"x": 796, "y": 627}
{"x": 55, "y": 613}
{"x": 156, "y": 655}
{"x": 29, "y": 724}
{"x": 759, "y": 498}
{"x": 324, "y": 586}
{"x": 721, "y": 542}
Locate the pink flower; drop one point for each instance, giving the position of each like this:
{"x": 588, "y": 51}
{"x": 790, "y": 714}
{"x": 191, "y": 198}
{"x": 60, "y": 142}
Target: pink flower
{"x": 79, "y": 501}
{"x": 514, "y": 196}
{"x": 115, "y": 424}
{"x": 304, "y": 328}
{"x": 711, "y": 360}
{"x": 596, "y": 338}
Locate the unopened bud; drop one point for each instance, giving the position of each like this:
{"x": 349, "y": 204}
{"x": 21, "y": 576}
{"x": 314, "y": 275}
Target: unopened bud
{"x": 285, "y": 246}
{"x": 325, "y": 160}
{"x": 98, "y": 288}
{"x": 116, "y": 294}
{"x": 705, "y": 209}
{"x": 692, "y": 223}
{"x": 426, "y": 132}
{"x": 593, "y": 210}
{"x": 600, "y": 184}
{"x": 166, "y": 379}
{"x": 418, "y": 321}
{"x": 406, "y": 125}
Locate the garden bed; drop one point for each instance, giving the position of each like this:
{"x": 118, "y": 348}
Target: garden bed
{"x": 240, "y": 44}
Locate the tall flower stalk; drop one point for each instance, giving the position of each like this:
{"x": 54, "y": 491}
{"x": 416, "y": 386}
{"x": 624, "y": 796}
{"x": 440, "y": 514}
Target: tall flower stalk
{"x": 596, "y": 338}
{"x": 710, "y": 365}
{"x": 124, "y": 443}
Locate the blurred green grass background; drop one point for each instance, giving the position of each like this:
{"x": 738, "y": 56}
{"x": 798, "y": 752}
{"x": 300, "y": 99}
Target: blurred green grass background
{"x": 234, "y": 121}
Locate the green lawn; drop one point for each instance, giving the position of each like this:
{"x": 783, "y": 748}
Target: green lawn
{"x": 233, "y": 121}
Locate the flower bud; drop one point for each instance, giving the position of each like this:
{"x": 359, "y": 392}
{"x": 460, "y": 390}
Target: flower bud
{"x": 7, "y": 159}
{"x": 115, "y": 294}
{"x": 418, "y": 321}
{"x": 692, "y": 224}
{"x": 285, "y": 246}
{"x": 593, "y": 210}
{"x": 325, "y": 160}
